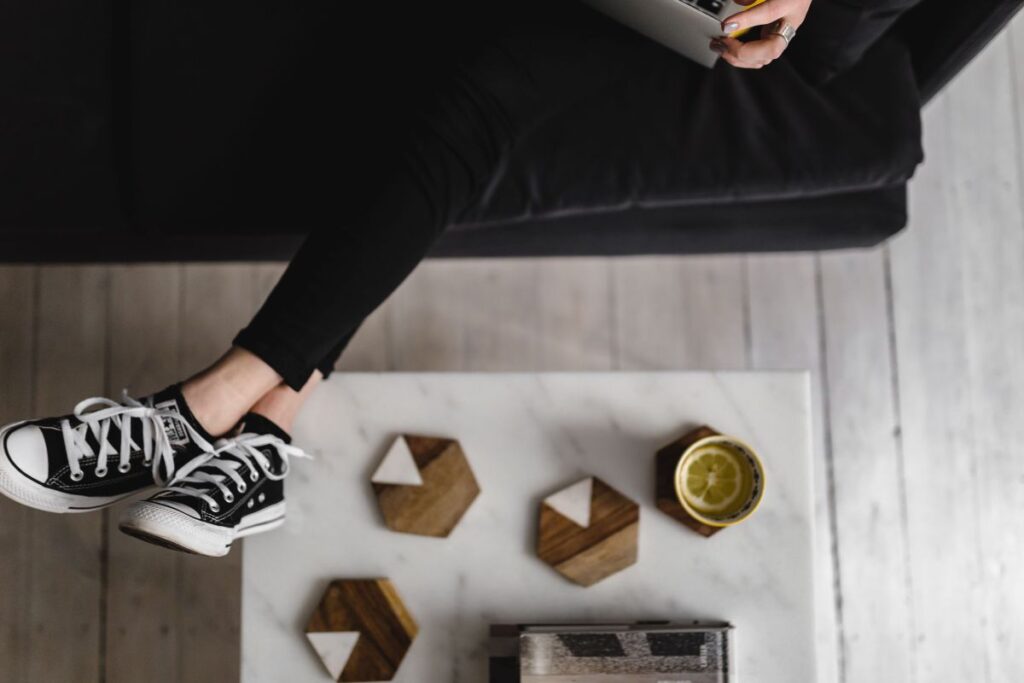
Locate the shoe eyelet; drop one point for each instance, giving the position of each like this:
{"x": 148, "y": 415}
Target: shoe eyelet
{"x": 77, "y": 476}
{"x": 229, "y": 498}
{"x": 125, "y": 468}
{"x": 101, "y": 473}
{"x": 254, "y": 477}
{"x": 242, "y": 488}
{"x": 215, "y": 508}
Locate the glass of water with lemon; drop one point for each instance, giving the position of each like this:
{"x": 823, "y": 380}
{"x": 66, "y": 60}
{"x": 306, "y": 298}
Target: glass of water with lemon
{"x": 719, "y": 481}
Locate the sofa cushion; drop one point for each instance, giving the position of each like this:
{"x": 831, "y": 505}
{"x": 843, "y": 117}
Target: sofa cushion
{"x": 56, "y": 103}
{"x": 246, "y": 113}
{"x": 259, "y": 136}
{"x": 824, "y": 52}
{"x": 945, "y": 35}
{"x": 676, "y": 134}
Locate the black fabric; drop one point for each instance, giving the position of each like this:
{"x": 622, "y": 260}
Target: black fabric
{"x": 835, "y": 221}
{"x": 259, "y": 116}
{"x": 284, "y": 129}
{"x": 228, "y": 515}
{"x": 172, "y": 398}
{"x": 829, "y": 221}
{"x": 498, "y": 82}
{"x": 672, "y": 134}
{"x": 943, "y": 36}
{"x": 91, "y": 485}
{"x": 620, "y": 121}
{"x": 56, "y": 116}
{"x": 260, "y": 491}
{"x": 223, "y": 119}
{"x": 838, "y": 33}
{"x": 254, "y": 423}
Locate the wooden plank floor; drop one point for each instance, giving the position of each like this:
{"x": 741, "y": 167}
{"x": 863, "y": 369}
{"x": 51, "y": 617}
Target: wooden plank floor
{"x": 917, "y": 363}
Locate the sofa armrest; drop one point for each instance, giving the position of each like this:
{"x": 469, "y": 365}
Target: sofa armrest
{"x": 944, "y": 35}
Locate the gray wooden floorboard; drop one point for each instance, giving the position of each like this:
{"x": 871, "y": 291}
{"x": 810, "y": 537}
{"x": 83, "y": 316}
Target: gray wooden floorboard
{"x": 786, "y": 334}
{"x": 874, "y": 620}
{"x": 429, "y": 318}
{"x": 371, "y": 349}
{"x": 17, "y": 350}
{"x": 466, "y": 315}
{"x": 682, "y": 313}
{"x": 985, "y": 171}
{"x": 929, "y": 301}
{"x": 575, "y": 321}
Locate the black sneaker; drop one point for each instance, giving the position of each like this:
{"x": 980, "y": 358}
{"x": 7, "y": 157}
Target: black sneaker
{"x": 235, "y": 491}
{"x": 103, "y": 452}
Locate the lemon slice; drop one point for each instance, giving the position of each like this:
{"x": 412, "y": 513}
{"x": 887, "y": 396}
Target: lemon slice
{"x": 712, "y": 480}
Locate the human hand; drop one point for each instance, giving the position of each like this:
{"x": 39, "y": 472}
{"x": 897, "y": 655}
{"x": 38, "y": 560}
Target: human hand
{"x": 773, "y": 15}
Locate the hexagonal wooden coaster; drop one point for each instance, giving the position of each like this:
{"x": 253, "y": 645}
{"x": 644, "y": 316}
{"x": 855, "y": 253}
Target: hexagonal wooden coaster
{"x": 361, "y": 630}
{"x": 424, "y": 485}
{"x": 588, "y": 531}
{"x": 665, "y": 476}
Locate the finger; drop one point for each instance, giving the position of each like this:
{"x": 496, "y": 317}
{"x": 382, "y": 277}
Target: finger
{"x": 734, "y": 61}
{"x": 767, "y": 49}
{"x": 729, "y": 54}
{"x": 763, "y": 14}
{"x": 754, "y": 52}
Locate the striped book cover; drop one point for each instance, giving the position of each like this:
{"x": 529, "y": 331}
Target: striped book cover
{"x": 612, "y": 653}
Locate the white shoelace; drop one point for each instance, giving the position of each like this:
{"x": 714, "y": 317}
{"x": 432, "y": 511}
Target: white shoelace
{"x": 156, "y": 445}
{"x": 244, "y": 450}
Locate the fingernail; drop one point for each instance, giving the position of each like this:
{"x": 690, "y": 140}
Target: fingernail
{"x": 730, "y": 27}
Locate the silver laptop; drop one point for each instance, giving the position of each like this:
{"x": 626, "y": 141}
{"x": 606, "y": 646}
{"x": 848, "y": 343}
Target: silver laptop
{"x": 686, "y": 26}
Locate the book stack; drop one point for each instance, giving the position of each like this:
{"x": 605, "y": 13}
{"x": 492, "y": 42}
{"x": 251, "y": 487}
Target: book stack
{"x": 621, "y": 653}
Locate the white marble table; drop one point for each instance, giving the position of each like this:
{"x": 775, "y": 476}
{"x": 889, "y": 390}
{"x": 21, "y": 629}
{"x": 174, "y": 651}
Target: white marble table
{"x": 527, "y": 435}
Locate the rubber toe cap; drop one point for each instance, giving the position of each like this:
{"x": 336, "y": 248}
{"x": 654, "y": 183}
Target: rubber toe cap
{"x": 26, "y": 448}
{"x": 174, "y": 505}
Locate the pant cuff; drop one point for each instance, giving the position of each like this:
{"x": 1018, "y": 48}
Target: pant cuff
{"x": 326, "y": 366}
{"x": 293, "y": 370}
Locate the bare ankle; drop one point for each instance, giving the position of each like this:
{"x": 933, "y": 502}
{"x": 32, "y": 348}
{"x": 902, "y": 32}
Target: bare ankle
{"x": 220, "y": 395}
{"x": 281, "y": 404}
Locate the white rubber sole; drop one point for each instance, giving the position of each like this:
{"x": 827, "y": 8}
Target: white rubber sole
{"x": 174, "y": 529}
{"x": 21, "y": 489}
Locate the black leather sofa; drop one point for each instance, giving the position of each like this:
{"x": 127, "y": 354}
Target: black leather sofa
{"x": 159, "y": 130}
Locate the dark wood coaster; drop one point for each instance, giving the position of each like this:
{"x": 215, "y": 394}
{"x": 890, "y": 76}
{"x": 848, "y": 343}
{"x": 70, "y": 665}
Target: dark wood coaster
{"x": 361, "y": 630}
{"x": 664, "y": 476}
{"x": 424, "y": 485}
{"x": 588, "y": 531}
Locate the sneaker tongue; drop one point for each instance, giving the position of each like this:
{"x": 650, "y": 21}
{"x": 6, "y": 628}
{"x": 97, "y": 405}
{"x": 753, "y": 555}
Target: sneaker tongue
{"x": 171, "y": 399}
{"x": 254, "y": 423}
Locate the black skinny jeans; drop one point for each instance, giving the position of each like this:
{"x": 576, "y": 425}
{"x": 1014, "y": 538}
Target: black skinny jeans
{"x": 471, "y": 100}
{"x": 483, "y": 97}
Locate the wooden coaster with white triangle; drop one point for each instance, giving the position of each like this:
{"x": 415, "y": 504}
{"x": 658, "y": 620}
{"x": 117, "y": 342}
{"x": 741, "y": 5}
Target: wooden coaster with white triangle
{"x": 424, "y": 485}
{"x": 361, "y": 630}
{"x": 588, "y": 531}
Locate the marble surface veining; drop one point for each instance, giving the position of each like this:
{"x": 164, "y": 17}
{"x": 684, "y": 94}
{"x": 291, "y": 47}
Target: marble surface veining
{"x": 527, "y": 436}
